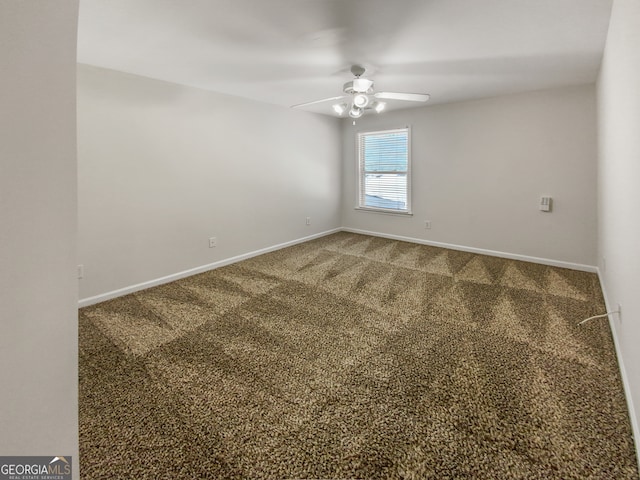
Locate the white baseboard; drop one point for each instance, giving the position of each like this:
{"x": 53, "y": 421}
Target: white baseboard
{"x": 482, "y": 251}
{"x": 633, "y": 418}
{"x": 85, "y": 302}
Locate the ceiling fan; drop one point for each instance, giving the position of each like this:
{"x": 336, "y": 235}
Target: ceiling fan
{"x": 359, "y": 96}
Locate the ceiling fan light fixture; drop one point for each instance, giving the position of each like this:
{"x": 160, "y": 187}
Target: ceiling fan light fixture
{"x": 355, "y": 112}
{"x": 360, "y": 100}
{"x": 379, "y": 107}
{"x": 340, "y": 108}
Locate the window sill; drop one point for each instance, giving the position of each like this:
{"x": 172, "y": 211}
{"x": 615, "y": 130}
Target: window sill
{"x": 384, "y": 212}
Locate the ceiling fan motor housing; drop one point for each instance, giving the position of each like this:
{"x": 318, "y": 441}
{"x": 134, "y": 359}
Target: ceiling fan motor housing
{"x": 358, "y": 85}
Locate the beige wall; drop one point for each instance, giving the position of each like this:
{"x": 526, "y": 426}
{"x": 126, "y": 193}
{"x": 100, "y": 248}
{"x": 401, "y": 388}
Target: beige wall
{"x": 480, "y": 167}
{"x": 38, "y": 285}
{"x": 619, "y": 187}
{"x": 163, "y": 167}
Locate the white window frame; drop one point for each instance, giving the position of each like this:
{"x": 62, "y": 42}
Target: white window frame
{"x": 361, "y": 173}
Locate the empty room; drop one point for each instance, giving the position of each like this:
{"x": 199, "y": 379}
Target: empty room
{"x": 320, "y": 239}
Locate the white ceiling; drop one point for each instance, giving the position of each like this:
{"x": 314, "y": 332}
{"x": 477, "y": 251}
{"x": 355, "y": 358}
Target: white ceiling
{"x": 292, "y": 51}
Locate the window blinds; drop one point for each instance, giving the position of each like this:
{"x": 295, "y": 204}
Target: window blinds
{"x": 384, "y": 170}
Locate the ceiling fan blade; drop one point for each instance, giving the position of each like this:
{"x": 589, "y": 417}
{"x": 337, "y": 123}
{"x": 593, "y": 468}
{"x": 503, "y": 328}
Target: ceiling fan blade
{"x": 317, "y": 101}
{"x": 409, "y": 97}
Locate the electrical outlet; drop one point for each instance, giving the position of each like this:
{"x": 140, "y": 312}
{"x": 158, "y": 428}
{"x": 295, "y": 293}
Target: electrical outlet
{"x": 308, "y": 220}
{"x": 80, "y": 271}
{"x": 427, "y": 224}
{"x": 213, "y": 242}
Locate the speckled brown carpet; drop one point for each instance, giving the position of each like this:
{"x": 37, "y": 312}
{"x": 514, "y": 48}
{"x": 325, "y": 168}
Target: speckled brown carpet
{"x": 355, "y": 357}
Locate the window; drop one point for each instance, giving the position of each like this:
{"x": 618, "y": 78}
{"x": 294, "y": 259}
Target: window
{"x": 384, "y": 171}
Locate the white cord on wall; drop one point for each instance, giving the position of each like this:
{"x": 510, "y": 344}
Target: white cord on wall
{"x": 598, "y": 316}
